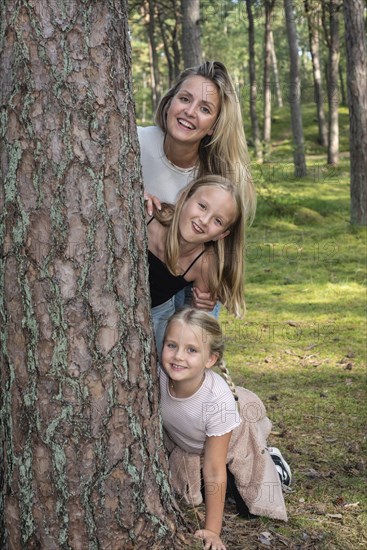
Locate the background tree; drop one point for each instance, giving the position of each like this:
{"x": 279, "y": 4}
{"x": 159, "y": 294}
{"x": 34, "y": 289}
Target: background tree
{"x": 153, "y": 54}
{"x": 191, "y": 45}
{"x": 170, "y": 32}
{"x": 269, "y": 6}
{"x": 82, "y": 461}
{"x": 312, "y": 10}
{"x": 357, "y": 99}
{"x": 295, "y": 93}
{"x": 253, "y": 85}
{"x": 274, "y": 62}
{"x": 331, "y": 10}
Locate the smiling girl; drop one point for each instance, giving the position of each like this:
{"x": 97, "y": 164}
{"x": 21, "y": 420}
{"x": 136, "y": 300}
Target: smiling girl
{"x": 208, "y": 418}
{"x": 199, "y": 241}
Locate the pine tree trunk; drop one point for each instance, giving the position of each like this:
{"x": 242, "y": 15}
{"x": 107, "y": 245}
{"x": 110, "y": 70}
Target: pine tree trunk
{"x": 357, "y": 100}
{"x": 191, "y": 44}
{"x": 333, "y": 92}
{"x": 343, "y": 95}
{"x": 167, "y": 53}
{"x": 295, "y": 93}
{"x": 253, "y": 86}
{"x": 274, "y": 62}
{"x": 175, "y": 38}
{"x": 82, "y": 461}
{"x": 153, "y": 56}
{"x": 313, "y": 17}
{"x": 269, "y": 5}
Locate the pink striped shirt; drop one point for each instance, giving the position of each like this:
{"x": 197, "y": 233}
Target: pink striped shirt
{"x": 210, "y": 411}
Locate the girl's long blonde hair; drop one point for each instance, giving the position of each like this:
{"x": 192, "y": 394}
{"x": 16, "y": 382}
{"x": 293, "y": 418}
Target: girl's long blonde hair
{"x": 226, "y": 277}
{"x": 225, "y": 151}
{"x": 211, "y": 334}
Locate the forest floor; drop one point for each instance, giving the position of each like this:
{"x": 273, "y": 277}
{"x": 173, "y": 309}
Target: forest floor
{"x": 302, "y": 347}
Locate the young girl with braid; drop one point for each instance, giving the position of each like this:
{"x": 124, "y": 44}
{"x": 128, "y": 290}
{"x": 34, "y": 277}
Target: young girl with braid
{"x": 201, "y": 412}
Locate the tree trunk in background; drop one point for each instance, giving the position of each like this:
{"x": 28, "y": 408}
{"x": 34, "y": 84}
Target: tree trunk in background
{"x": 153, "y": 56}
{"x": 357, "y": 99}
{"x": 167, "y": 53}
{"x": 269, "y": 5}
{"x": 295, "y": 93}
{"x": 191, "y": 45}
{"x": 333, "y": 76}
{"x": 82, "y": 460}
{"x": 170, "y": 37}
{"x": 343, "y": 96}
{"x": 313, "y": 21}
{"x": 253, "y": 86}
{"x": 274, "y": 62}
{"x": 176, "y": 38}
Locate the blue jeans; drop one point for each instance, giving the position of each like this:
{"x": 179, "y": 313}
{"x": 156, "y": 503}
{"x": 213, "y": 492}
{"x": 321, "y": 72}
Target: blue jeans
{"x": 183, "y": 298}
{"x": 160, "y": 316}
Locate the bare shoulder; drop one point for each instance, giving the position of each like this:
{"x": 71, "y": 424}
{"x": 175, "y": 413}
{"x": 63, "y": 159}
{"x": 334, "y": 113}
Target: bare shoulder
{"x": 201, "y": 268}
{"x": 157, "y": 235}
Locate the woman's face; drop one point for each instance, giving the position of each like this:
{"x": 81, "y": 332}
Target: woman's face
{"x": 193, "y": 111}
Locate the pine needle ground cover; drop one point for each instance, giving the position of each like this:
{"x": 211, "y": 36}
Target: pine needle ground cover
{"x": 302, "y": 348}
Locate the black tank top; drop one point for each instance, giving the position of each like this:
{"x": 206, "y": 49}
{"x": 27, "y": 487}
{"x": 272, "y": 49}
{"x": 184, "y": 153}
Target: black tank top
{"x": 164, "y": 285}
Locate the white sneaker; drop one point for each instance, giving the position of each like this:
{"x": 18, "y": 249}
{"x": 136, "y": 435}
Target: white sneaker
{"x": 281, "y": 465}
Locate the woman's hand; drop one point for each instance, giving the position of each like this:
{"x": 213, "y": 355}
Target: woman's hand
{"x": 203, "y": 300}
{"x": 212, "y": 540}
{"x": 151, "y": 200}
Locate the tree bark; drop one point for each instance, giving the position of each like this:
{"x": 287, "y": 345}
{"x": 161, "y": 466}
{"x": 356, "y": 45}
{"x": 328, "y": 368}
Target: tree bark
{"x": 82, "y": 461}
{"x": 274, "y": 62}
{"x": 153, "y": 56}
{"x": 333, "y": 75}
{"x": 176, "y": 39}
{"x": 191, "y": 44}
{"x": 167, "y": 53}
{"x": 313, "y": 21}
{"x": 295, "y": 93}
{"x": 269, "y": 5}
{"x": 343, "y": 95}
{"x": 253, "y": 86}
{"x": 357, "y": 100}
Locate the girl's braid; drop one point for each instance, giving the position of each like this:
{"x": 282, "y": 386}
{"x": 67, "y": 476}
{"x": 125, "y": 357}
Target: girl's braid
{"x": 221, "y": 364}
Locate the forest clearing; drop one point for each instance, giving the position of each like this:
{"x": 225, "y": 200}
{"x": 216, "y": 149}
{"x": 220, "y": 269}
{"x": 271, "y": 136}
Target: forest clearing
{"x": 276, "y": 87}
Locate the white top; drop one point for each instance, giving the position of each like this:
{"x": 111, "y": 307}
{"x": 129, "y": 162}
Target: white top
{"x": 161, "y": 178}
{"x": 211, "y": 411}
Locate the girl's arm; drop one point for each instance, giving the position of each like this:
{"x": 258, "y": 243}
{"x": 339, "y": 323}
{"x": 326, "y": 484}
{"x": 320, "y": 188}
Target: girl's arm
{"x": 215, "y": 481}
{"x": 201, "y": 297}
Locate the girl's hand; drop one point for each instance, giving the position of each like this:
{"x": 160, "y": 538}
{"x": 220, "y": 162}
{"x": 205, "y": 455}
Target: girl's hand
{"x": 203, "y": 300}
{"x": 211, "y": 539}
{"x": 151, "y": 200}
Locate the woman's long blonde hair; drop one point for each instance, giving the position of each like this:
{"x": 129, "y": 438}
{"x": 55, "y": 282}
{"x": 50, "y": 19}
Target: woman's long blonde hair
{"x": 226, "y": 278}
{"x": 225, "y": 151}
{"x": 211, "y": 334}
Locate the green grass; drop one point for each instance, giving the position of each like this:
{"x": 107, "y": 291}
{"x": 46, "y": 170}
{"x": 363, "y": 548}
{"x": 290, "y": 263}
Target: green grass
{"x": 302, "y": 345}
